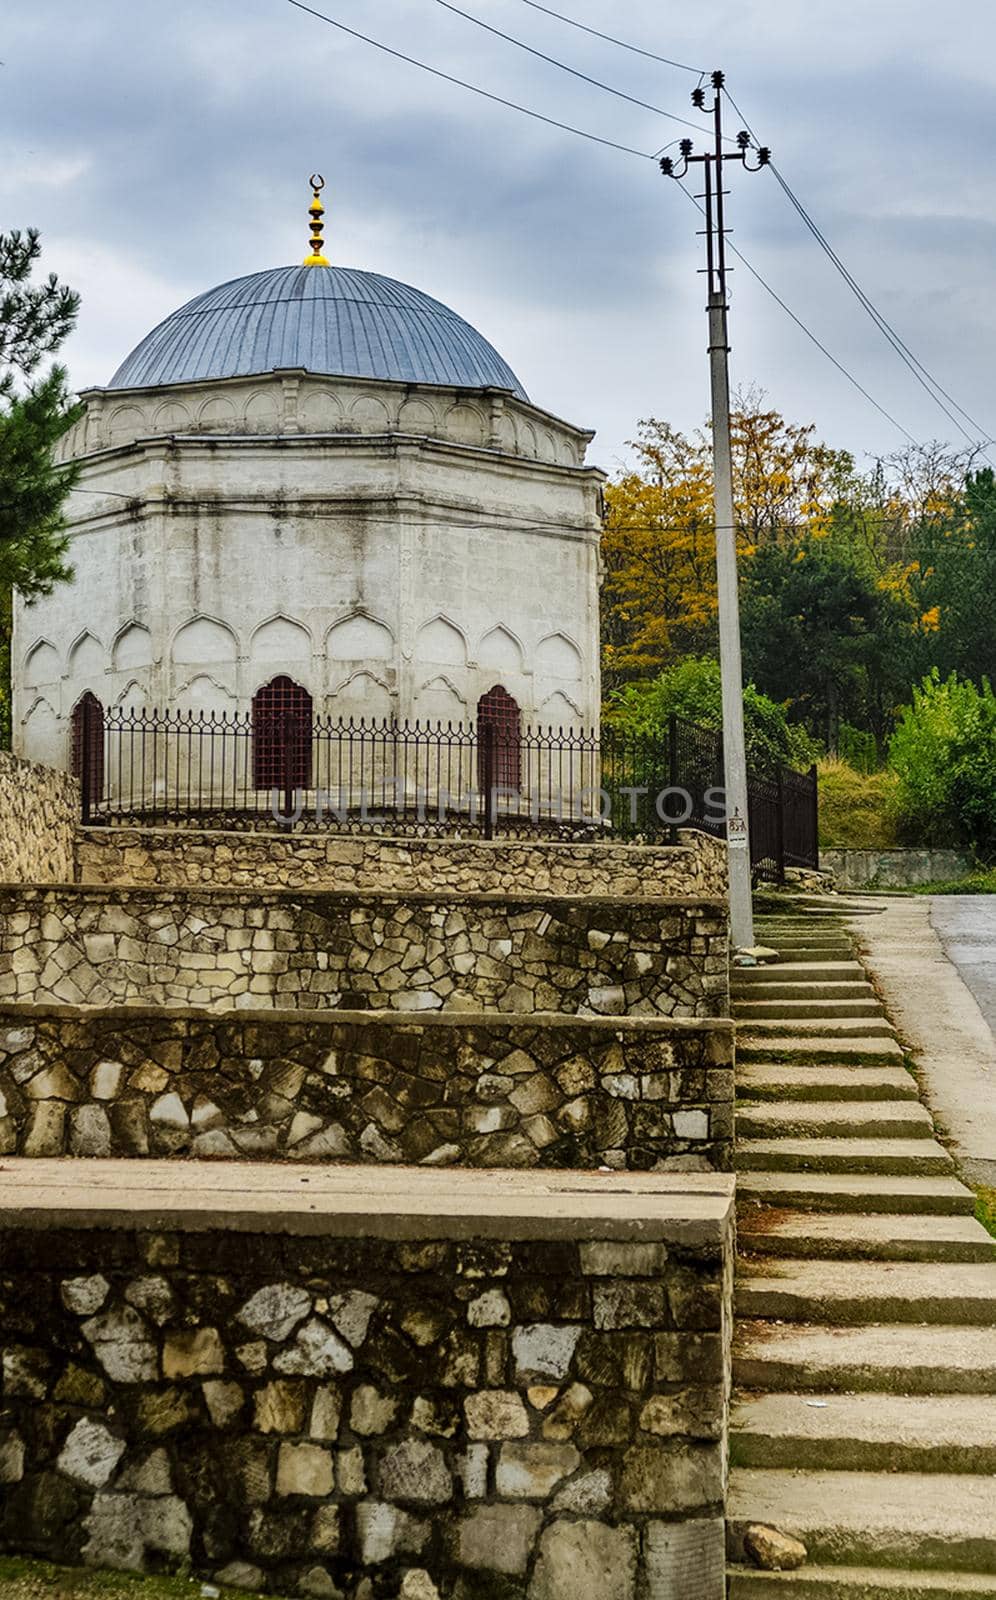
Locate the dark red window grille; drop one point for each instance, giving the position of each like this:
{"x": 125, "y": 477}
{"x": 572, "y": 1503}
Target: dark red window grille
{"x": 499, "y": 740}
{"x": 282, "y": 725}
{"x": 87, "y": 750}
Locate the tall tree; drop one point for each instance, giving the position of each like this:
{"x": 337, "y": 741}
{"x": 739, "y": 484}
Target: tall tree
{"x": 35, "y": 412}
{"x": 658, "y": 549}
{"x": 956, "y": 582}
{"x": 785, "y": 480}
{"x": 659, "y": 596}
{"x": 820, "y": 636}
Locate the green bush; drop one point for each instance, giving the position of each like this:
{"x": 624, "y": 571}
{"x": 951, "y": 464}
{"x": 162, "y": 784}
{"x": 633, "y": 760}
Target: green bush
{"x": 943, "y": 753}
{"x": 981, "y": 881}
{"x": 858, "y": 748}
{"x": 857, "y": 809}
{"x": 692, "y": 689}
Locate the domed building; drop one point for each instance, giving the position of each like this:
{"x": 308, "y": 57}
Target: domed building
{"x": 327, "y": 478}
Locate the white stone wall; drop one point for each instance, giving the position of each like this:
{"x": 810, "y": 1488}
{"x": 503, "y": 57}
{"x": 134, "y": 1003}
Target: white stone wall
{"x": 391, "y": 573}
{"x": 298, "y": 402}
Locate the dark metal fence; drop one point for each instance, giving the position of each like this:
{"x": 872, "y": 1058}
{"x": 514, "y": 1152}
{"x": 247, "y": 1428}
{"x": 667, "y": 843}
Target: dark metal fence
{"x": 189, "y": 768}
{"x": 784, "y": 822}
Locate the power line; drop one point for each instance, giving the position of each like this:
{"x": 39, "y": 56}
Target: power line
{"x": 474, "y": 88}
{"x": 562, "y": 65}
{"x": 919, "y": 371}
{"x": 923, "y": 376}
{"x": 595, "y": 138}
{"x": 820, "y": 346}
{"x": 610, "y": 39}
{"x": 808, "y": 331}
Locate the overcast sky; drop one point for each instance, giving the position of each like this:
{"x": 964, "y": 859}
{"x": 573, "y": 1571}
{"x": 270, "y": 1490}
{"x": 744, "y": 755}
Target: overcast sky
{"x": 163, "y": 149}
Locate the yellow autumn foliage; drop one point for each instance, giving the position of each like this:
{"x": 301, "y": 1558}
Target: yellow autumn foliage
{"x": 658, "y": 547}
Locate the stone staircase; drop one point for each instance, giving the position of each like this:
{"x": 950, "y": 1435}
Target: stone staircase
{"x": 864, "y": 1418}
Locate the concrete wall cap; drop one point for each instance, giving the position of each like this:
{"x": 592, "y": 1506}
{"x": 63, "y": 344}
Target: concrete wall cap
{"x": 687, "y": 1209}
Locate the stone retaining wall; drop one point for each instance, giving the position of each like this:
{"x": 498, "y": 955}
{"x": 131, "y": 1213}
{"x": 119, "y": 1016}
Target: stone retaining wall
{"x": 177, "y": 857}
{"x": 225, "y": 948}
{"x": 39, "y": 813}
{"x": 892, "y": 869}
{"x": 368, "y": 1086}
{"x": 532, "y": 1410}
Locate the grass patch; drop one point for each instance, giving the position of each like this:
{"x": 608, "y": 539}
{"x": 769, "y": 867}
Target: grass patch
{"x": 982, "y": 881}
{"x": 21, "y": 1579}
{"x": 857, "y": 809}
{"x": 985, "y": 1208}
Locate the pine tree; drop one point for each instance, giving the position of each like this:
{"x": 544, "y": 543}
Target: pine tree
{"x": 35, "y": 411}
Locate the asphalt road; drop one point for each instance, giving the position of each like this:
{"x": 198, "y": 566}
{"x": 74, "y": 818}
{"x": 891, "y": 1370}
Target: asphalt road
{"x": 966, "y": 926}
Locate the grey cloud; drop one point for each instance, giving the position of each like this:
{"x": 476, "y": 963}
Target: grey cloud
{"x": 188, "y": 134}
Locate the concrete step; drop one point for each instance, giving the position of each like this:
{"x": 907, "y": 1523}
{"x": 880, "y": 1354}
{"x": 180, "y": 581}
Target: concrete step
{"x": 814, "y": 951}
{"x": 782, "y": 972}
{"x": 845, "y": 1292}
{"x": 766, "y": 927}
{"x": 833, "y": 1236}
{"x": 863, "y": 1192}
{"x": 802, "y": 925}
{"x": 805, "y": 1008}
{"x": 843, "y": 1155}
{"x": 865, "y": 1432}
{"x": 897, "y": 1358}
{"x": 803, "y": 916}
{"x": 825, "y": 1119}
{"x": 806, "y": 914}
{"x": 823, "y": 937}
{"x": 746, "y": 988}
{"x": 798, "y": 917}
{"x": 763, "y": 1080}
{"x": 856, "y": 1583}
{"x": 757, "y": 1046}
{"x": 823, "y": 1028}
{"x": 871, "y": 1518}
{"x": 834, "y": 904}
{"x": 806, "y": 939}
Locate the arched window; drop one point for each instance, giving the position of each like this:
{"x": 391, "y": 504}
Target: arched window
{"x": 281, "y": 736}
{"x": 87, "y": 746}
{"x": 499, "y": 746}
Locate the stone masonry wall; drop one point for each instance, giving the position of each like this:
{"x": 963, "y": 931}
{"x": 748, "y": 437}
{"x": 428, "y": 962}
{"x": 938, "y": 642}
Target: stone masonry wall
{"x": 468, "y": 1091}
{"x": 39, "y": 813}
{"x": 496, "y": 1418}
{"x": 893, "y": 869}
{"x": 176, "y": 857}
{"x": 225, "y": 948}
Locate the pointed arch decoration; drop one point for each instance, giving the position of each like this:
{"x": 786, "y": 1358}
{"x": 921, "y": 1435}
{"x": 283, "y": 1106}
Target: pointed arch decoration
{"x": 41, "y": 664}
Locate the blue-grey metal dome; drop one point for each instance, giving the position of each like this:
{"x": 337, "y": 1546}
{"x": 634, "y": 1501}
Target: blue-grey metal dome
{"x": 330, "y": 320}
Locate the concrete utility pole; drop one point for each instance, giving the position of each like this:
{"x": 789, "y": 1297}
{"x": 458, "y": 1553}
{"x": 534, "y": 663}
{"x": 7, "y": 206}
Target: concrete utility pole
{"x": 731, "y": 667}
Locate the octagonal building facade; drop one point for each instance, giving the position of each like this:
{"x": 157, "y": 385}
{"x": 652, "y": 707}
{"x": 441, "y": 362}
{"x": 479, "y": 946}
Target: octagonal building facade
{"x": 323, "y": 475}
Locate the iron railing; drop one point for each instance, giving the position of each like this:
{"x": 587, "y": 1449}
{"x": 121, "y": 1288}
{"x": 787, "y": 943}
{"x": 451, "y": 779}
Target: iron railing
{"x": 784, "y": 822}
{"x": 190, "y": 768}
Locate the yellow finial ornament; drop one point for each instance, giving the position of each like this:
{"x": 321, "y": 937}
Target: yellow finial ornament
{"x": 316, "y": 211}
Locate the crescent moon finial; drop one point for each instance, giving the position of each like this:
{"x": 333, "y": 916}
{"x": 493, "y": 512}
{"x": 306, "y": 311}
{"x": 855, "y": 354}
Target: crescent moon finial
{"x": 316, "y": 211}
